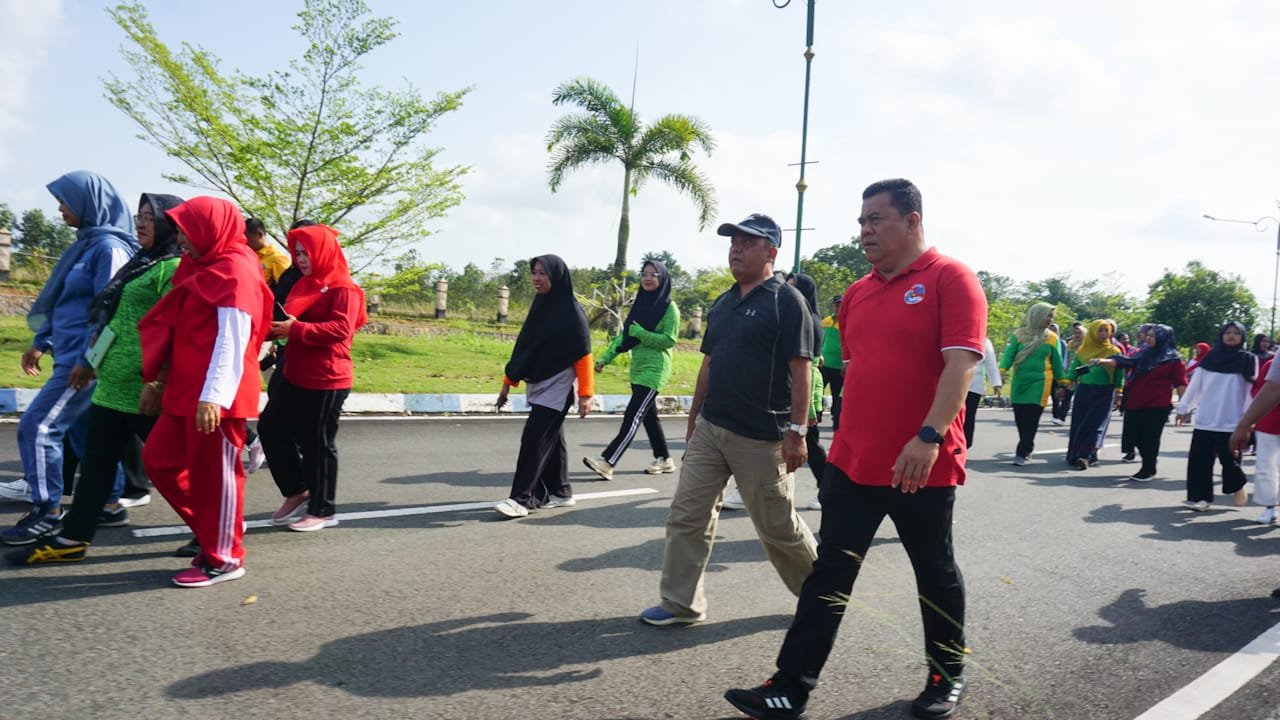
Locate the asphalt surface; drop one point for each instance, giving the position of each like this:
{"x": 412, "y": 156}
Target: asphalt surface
{"x": 1089, "y": 597}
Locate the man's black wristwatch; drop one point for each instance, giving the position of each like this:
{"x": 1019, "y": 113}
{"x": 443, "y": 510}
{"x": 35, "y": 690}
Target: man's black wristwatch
{"x": 929, "y": 435}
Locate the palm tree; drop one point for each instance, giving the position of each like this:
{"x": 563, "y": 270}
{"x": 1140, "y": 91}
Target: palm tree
{"x": 609, "y": 130}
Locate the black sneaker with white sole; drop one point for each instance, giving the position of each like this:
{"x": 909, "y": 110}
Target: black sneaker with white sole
{"x": 779, "y": 698}
{"x": 113, "y": 518}
{"x": 939, "y": 698}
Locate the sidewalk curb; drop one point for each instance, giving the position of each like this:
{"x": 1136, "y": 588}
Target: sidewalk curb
{"x": 16, "y": 401}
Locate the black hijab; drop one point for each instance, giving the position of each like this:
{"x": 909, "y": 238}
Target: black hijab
{"x": 1150, "y": 357}
{"x": 1230, "y": 360}
{"x": 555, "y": 335}
{"x": 805, "y": 284}
{"x": 164, "y": 246}
{"x": 649, "y": 308}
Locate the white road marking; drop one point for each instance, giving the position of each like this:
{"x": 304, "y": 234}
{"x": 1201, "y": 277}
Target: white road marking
{"x": 1228, "y": 676}
{"x": 396, "y": 512}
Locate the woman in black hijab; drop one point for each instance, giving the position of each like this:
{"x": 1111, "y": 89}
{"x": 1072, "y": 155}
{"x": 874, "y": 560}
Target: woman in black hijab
{"x": 552, "y": 351}
{"x": 123, "y": 408}
{"x": 649, "y": 334}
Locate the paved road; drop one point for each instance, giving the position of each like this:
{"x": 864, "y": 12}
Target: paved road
{"x": 1089, "y": 597}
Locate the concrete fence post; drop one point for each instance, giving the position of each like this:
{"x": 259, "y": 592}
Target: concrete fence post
{"x": 442, "y": 298}
{"x": 504, "y": 301}
{"x": 6, "y": 247}
{"x": 695, "y": 323}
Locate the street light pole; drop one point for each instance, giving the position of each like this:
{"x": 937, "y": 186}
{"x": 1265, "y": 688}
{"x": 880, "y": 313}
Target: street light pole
{"x": 801, "y": 185}
{"x": 1261, "y": 225}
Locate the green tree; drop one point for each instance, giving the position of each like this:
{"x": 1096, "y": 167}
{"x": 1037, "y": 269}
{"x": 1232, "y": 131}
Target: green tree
{"x": 309, "y": 141}
{"x": 38, "y": 241}
{"x": 996, "y": 286}
{"x": 608, "y": 131}
{"x": 1198, "y": 300}
{"x": 7, "y": 217}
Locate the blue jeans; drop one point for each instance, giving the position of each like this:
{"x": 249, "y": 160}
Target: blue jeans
{"x": 57, "y": 411}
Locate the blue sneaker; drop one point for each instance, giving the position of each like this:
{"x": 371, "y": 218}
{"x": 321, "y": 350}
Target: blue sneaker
{"x": 657, "y": 616}
{"x": 31, "y": 527}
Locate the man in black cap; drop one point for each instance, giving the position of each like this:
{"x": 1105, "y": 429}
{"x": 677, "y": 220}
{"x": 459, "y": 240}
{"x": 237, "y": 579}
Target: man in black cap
{"x": 749, "y": 418}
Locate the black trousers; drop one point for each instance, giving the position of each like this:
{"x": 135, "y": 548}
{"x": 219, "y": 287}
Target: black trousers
{"x": 817, "y": 455}
{"x": 1062, "y": 405}
{"x": 1205, "y": 446}
{"x": 1027, "y": 417}
{"x": 298, "y": 429}
{"x": 1128, "y": 434}
{"x": 850, "y": 516}
{"x": 640, "y": 411}
{"x": 542, "y": 467}
{"x": 971, "y": 402}
{"x": 833, "y": 378}
{"x": 111, "y": 433}
{"x": 1147, "y": 429}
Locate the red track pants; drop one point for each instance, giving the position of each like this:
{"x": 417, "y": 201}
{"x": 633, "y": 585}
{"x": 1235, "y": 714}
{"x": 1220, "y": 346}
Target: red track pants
{"x": 201, "y": 476}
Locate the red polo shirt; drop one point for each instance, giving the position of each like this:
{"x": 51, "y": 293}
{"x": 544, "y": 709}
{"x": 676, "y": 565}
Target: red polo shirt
{"x": 894, "y": 332}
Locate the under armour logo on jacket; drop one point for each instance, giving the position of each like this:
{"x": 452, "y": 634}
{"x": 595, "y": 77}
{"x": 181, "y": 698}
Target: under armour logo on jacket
{"x": 749, "y": 312}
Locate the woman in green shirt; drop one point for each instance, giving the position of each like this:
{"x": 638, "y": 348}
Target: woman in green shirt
{"x": 649, "y": 334}
{"x": 123, "y": 407}
{"x": 1034, "y": 365}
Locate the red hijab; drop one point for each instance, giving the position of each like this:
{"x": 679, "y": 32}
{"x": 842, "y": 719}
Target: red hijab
{"x": 329, "y": 270}
{"x": 226, "y": 274}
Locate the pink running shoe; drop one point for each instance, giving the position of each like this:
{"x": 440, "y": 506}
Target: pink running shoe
{"x": 202, "y": 576}
{"x": 311, "y": 523}
{"x": 291, "y": 509}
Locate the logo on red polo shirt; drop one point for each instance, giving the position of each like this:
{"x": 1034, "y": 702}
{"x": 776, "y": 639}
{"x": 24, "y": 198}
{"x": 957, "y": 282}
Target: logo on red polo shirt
{"x": 914, "y": 295}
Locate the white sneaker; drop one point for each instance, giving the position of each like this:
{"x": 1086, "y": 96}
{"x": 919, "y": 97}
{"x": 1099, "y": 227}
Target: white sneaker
{"x": 15, "y": 490}
{"x": 133, "y": 502}
{"x": 600, "y": 467}
{"x": 661, "y": 465}
{"x": 1057, "y": 421}
{"x": 1019, "y": 460}
{"x": 733, "y": 501}
{"x": 1198, "y": 506}
{"x": 814, "y": 504}
{"x": 557, "y": 501}
{"x": 257, "y": 458}
{"x": 1268, "y": 517}
{"x": 512, "y": 509}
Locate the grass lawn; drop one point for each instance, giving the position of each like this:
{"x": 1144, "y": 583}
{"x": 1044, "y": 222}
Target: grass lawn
{"x": 460, "y": 357}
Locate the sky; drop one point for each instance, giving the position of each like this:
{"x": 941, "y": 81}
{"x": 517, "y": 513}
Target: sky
{"x": 1086, "y": 138}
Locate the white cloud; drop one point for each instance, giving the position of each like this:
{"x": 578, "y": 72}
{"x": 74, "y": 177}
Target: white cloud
{"x": 30, "y": 30}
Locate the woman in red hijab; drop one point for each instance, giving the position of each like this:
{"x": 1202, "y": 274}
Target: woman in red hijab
{"x": 200, "y": 349}
{"x": 324, "y": 310}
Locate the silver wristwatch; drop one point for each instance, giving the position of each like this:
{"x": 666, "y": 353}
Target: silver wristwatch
{"x": 798, "y": 429}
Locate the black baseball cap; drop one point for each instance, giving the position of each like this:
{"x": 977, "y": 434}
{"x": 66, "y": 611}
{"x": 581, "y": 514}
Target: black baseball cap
{"x": 757, "y": 225}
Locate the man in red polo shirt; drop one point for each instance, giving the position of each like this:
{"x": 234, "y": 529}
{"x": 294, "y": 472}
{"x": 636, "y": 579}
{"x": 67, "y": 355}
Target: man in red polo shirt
{"x": 913, "y": 335}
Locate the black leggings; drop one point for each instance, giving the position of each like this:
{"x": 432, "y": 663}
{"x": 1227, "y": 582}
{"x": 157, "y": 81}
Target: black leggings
{"x": 833, "y": 378}
{"x": 817, "y": 454}
{"x": 1027, "y": 417}
{"x": 111, "y": 432}
{"x": 298, "y": 429}
{"x": 640, "y": 411}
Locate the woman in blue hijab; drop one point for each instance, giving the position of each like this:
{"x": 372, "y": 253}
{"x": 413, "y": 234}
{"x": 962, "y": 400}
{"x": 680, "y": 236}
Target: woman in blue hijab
{"x": 59, "y": 317}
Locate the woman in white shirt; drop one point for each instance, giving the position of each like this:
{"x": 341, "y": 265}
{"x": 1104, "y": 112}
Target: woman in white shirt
{"x": 1218, "y": 394}
{"x": 990, "y": 373}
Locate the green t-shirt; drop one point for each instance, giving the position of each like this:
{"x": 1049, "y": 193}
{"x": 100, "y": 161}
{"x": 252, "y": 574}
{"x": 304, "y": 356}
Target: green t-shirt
{"x": 120, "y": 372}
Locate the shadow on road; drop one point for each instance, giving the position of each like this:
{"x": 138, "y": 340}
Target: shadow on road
{"x": 501, "y": 652}
{"x": 1188, "y": 624}
{"x": 648, "y": 556}
{"x": 1177, "y": 523}
{"x": 27, "y": 586}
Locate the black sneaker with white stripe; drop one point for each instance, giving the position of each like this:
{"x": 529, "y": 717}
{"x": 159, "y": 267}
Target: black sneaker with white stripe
{"x": 777, "y": 699}
{"x": 940, "y": 697}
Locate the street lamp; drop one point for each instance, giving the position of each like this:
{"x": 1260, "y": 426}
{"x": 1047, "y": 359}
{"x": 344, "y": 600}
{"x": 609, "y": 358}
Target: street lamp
{"x": 801, "y": 185}
{"x": 1262, "y": 224}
